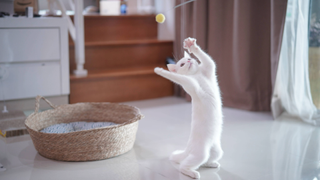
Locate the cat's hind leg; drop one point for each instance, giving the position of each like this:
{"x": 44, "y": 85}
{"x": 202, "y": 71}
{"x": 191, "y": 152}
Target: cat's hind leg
{"x": 178, "y": 156}
{"x": 193, "y": 161}
{"x": 215, "y": 155}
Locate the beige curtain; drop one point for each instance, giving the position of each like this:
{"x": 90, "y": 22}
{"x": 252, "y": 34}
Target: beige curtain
{"x": 243, "y": 37}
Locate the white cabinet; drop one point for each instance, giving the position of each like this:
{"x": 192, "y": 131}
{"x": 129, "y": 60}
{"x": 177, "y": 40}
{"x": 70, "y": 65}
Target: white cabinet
{"x": 35, "y": 54}
{"x": 32, "y": 78}
{"x": 25, "y": 44}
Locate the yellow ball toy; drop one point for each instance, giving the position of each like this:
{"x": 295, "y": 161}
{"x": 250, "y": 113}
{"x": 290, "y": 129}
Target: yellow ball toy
{"x": 160, "y": 18}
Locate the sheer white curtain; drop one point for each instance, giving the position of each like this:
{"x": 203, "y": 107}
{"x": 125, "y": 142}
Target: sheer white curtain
{"x": 292, "y": 93}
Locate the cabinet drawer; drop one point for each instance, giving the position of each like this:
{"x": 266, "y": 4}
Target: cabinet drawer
{"x": 27, "y": 44}
{"x": 28, "y": 80}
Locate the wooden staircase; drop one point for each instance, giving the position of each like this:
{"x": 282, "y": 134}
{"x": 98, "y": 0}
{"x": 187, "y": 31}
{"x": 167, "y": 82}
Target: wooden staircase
{"x": 121, "y": 53}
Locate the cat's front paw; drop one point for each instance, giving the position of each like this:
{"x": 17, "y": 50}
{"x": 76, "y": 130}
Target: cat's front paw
{"x": 191, "y": 173}
{"x": 190, "y": 44}
{"x": 158, "y": 70}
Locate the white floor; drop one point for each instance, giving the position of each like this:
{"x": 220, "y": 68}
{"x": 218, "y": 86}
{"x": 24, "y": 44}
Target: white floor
{"x": 255, "y": 146}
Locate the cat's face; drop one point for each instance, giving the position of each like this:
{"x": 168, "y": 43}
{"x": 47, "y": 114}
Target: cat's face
{"x": 185, "y": 66}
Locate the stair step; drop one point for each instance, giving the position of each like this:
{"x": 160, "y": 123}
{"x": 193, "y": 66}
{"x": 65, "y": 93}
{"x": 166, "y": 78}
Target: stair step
{"x": 119, "y": 85}
{"x": 117, "y": 28}
{"x": 104, "y": 55}
{"x": 109, "y": 73}
{"x": 121, "y": 53}
{"x": 123, "y": 42}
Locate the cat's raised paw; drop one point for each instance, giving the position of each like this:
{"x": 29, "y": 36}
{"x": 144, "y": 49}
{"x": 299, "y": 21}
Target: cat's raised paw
{"x": 158, "y": 70}
{"x": 190, "y": 44}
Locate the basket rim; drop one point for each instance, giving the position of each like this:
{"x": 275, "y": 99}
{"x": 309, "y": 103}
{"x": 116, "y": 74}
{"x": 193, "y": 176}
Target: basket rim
{"x": 138, "y": 117}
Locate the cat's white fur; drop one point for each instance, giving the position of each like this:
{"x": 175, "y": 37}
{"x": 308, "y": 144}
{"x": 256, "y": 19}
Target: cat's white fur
{"x": 200, "y": 82}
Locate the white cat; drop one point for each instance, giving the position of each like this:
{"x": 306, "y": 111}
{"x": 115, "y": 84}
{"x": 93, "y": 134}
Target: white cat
{"x": 200, "y": 82}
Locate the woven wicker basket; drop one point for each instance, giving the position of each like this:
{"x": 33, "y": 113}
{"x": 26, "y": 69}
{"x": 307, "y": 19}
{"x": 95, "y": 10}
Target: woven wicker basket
{"x": 88, "y": 145}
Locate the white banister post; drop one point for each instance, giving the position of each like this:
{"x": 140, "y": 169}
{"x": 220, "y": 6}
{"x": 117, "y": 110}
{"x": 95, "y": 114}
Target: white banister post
{"x": 64, "y": 14}
{"x": 71, "y": 4}
{"x": 79, "y": 40}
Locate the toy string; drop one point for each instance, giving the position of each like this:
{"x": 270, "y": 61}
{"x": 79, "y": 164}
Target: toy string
{"x": 180, "y": 5}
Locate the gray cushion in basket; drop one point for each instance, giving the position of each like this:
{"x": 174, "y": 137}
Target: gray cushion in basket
{"x": 75, "y": 126}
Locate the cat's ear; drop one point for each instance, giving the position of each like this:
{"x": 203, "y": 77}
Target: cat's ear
{"x": 186, "y": 55}
{"x": 172, "y": 67}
